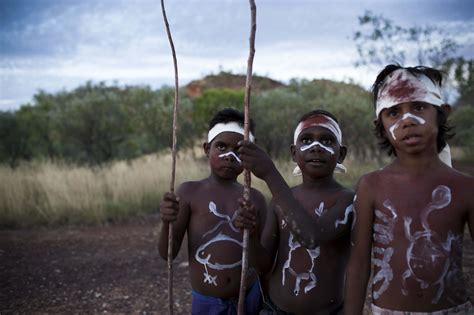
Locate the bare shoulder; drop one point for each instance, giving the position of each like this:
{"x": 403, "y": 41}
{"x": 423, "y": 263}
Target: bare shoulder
{"x": 188, "y": 189}
{"x": 463, "y": 184}
{"x": 369, "y": 180}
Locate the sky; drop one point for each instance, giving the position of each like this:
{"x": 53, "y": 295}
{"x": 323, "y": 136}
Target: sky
{"x": 57, "y": 45}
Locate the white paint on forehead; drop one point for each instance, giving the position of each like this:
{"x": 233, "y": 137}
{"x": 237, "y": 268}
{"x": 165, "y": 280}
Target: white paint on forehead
{"x": 231, "y": 153}
{"x": 396, "y": 125}
{"x": 314, "y": 143}
{"x": 331, "y": 125}
{"x": 227, "y": 127}
{"x": 401, "y": 86}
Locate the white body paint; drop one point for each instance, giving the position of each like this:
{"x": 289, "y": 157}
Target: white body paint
{"x": 349, "y": 210}
{"x": 319, "y": 211}
{"x": 383, "y": 233}
{"x": 396, "y": 125}
{"x": 308, "y": 275}
{"x": 231, "y": 153}
{"x": 200, "y": 255}
{"x": 315, "y": 143}
{"x": 426, "y": 250}
{"x": 353, "y": 219}
{"x": 313, "y": 254}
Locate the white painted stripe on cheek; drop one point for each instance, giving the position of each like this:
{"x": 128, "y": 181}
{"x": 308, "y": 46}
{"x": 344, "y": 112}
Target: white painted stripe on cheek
{"x": 419, "y": 120}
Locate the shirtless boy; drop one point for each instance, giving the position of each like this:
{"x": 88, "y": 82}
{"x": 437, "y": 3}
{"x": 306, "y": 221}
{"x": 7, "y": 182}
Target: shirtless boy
{"x": 411, "y": 214}
{"x": 206, "y": 210}
{"x": 308, "y": 226}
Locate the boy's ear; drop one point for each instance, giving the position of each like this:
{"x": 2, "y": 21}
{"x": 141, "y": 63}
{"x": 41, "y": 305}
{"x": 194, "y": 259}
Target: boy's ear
{"x": 293, "y": 152}
{"x": 207, "y": 147}
{"x": 374, "y": 122}
{"x": 446, "y": 108}
{"x": 342, "y": 153}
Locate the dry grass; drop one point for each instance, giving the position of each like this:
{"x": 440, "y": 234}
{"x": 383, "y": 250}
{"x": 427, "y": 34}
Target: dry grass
{"x": 47, "y": 193}
{"x": 55, "y": 193}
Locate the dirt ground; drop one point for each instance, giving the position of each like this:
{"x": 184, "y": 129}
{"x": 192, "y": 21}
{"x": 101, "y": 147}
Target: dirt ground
{"x": 111, "y": 269}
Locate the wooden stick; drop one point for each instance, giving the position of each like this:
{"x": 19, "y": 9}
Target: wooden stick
{"x": 173, "y": 154}
{"x": 248, "y": 85}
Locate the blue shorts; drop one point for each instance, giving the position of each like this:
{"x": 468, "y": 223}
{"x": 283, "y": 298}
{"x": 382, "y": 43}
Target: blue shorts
{"x": 208, "y": 305}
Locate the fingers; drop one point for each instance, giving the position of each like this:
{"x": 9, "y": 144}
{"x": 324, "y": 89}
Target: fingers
{"x": 246, "y": 217}
{"x": 169, "y": 207}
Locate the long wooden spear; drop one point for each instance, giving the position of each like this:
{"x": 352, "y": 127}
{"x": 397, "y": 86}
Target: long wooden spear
{"x": 173, "y": 154}
{"x": 248, "y": 85}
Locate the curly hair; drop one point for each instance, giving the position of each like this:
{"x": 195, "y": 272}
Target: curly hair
{"x": 444, "y": 130}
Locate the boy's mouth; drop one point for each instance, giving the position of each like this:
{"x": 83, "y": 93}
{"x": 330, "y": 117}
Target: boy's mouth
{"x": 316, "y": 161}
{"x": 411, "y": 139}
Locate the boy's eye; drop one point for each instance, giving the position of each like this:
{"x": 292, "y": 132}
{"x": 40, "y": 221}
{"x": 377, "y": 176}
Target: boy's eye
{"x": 392, "y": 113}
{"x": 327, "y": 141}
{"x": 306, "y": 141}
{"x": 220, "y": 147}
{"x": 419, "y": 107}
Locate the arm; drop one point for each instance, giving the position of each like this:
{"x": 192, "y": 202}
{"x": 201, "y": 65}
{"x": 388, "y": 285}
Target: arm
{"x": 176, "y": 211}
{"x": 358, "y": 268}
{"x": 308, "y": 231}
{"x": 470, "y": 209}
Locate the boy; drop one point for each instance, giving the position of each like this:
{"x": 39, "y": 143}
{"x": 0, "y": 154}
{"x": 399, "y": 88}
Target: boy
{"x": 412, "y": 213}
{"x": 206, "y": 210}
{"x": 308, "y": 227}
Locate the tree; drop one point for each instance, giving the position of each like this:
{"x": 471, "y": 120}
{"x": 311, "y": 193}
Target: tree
{"x": 379, "y": 42}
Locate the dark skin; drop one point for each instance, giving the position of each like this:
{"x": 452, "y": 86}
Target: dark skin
{"x": 189, "y": 211}
{"x": 293, "y": 210}
{"x": 409, "y": 182}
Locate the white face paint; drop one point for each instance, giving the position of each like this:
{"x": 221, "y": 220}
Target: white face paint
{"x": 349, "y": 210}
{"x": 231, "y": 153}
{"x": 396, "y": 125}
{"x": 426, "y": 250}
{"x": 308, "y": 275}
{"x": 383, "y": 233}
{"x": 314, "y": 143}
{"x": 200, "y": 255}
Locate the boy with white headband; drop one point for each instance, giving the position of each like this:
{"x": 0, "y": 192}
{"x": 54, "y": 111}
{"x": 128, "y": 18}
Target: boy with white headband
{"x": 206, "y": 210}
{"x": 306, "y": 238}
{"x": 411, "y": 215}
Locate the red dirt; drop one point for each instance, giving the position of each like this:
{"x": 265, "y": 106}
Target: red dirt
{"x": 111, "y": 269}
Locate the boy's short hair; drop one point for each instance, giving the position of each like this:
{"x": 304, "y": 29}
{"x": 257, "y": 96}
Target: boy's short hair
{"x": 442, "y": 119}
{"x": 317, "y": 112}
{"x": 228, "y": 115}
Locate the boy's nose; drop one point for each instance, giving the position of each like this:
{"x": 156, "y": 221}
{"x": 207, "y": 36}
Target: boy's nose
{"x": 409, "y": 120}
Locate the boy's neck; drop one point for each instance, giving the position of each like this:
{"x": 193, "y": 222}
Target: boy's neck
{"x": 213, "y": 178}
{"x": 321, "y": 183}
{"x": 417, "y": 164}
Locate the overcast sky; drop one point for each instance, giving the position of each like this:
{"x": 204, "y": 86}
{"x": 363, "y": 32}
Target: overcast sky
{"x": 56, "y": 45}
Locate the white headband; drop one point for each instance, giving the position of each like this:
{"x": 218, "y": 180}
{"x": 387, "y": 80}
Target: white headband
{"x": 226, "y": 127}
{"x": 402, "y": 86}
{"x": 330, "y": 124}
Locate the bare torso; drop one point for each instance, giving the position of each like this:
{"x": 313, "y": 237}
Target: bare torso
{"x": 214, "y": 243}
{"x": 417, "y": 240}
{"x": 305, "y": 281}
